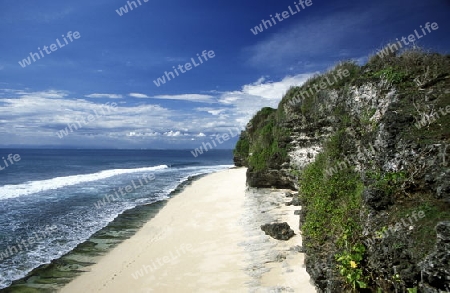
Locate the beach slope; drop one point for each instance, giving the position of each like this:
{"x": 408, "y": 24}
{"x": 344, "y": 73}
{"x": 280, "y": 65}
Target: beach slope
{"x": 194, "y": 244}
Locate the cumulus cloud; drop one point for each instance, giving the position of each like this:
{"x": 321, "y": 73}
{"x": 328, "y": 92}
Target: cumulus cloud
{"x": 37, "y": 118}
{"x": 31, "y": 118}
{"x": 245, "y": 103}
{"x": 274, "y": 90}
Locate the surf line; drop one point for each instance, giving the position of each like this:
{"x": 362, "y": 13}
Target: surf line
{"x": 22, "y": 243}
{"x": 128, "y": 189}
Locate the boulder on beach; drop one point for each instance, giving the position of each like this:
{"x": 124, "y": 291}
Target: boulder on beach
{"x": 279, "y": 231}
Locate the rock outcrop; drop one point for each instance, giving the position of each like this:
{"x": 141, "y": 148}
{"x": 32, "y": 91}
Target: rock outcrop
{"x": 435, "y": 269}
{"x": 367, "y": 152}
{"x": 279, "y": 231}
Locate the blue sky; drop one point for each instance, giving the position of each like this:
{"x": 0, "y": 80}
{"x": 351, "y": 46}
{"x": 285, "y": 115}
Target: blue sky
{"x": 117, "y": 58}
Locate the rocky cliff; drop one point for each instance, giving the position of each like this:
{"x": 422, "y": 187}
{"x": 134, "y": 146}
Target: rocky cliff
{"x": 366, "y": 147}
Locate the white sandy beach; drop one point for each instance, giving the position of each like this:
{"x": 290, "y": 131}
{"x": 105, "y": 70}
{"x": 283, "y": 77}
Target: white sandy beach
{"x": 206, "y": 239}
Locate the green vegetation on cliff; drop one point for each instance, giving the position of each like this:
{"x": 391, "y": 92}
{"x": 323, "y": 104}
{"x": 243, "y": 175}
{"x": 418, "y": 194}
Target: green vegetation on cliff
{"x": 263, "y": 146}
{"x": 382, "y": 130}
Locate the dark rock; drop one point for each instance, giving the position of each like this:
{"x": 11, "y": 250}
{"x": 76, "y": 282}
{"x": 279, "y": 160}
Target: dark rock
{"x": 239, "y": 161}
{"x": 297, "y": 248}
{"x": 429, "y": 179}
{"x": 377, "y": 199}
{"x": 294, "y": 202}
{"x": 427, "y": 289}
{"x": 443, "y": 232}
{"x": 400, "y": 168}
{"x": 321, "y": 270}
{"x": 297, "y": 212}
{"x": 279, "y": 231}
{"x": 302, "y": 217}
{"x": 393, "y": 249}
{"x": 269, "y": 178}
{"x": 443, "y": 190}
{"x": 435, "y": 269}
{"x": 280, "y": 257}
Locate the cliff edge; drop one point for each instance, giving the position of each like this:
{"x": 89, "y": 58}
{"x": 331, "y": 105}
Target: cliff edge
{"x": 367, "y": 149}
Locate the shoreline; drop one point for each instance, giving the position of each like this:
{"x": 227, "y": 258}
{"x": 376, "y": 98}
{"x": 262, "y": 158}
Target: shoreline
{"x": 207, "y": 244}
{"x": 61, "y": 271}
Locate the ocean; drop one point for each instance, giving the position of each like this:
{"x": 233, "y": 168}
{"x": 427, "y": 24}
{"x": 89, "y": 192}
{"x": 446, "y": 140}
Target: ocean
{"x": 59, "y": 206}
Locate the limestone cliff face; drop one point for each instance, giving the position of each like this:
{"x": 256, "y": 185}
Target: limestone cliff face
{"x": 366, "y": 147}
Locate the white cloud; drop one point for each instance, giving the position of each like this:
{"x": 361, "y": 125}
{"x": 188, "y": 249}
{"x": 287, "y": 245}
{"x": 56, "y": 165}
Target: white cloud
{"x": 187, "y": 97}
{"x": 274, "y": 90}
{"x": 141, "y": 134}
{"x": 173, "y": 133}
{"x": 50, "y": 94}
{"x": 35, "y": 117}
{"x": 212, "y": 111}
{"x": 235, "y": 108}
{"x": 38, "y": 117}
{"x": 184, "y": 97}
{"x": 137, "y": 95}
{"x": 108, "y": 96}
{"x": 245, "y": 103}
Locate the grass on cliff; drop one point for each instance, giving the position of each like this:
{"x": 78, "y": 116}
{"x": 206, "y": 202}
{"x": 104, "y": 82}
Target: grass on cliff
{"x": 423, "y": 233}
{"x": 333, "y": 204}
{"x": 264, "y": 141}
{"x": 308, "y": 98}
{"x": 242, "y": 148}
{"x": 410, "y": 73}
{"x": 333, "y": 201}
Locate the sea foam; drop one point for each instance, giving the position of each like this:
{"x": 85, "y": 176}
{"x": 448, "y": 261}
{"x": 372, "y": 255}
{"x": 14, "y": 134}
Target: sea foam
{"x": 31, "y": 187}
